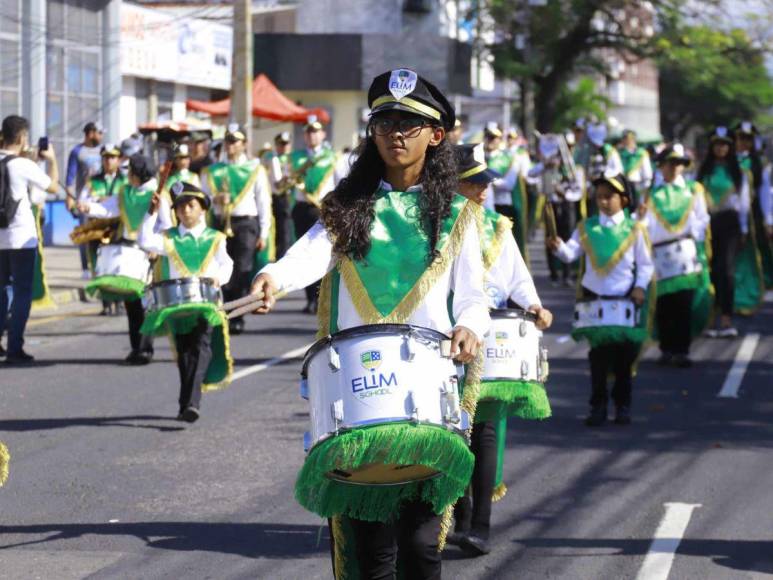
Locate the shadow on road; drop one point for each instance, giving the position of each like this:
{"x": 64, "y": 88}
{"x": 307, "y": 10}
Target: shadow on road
{"x": 23, "y": 425}
{"x": 251, "y": 540}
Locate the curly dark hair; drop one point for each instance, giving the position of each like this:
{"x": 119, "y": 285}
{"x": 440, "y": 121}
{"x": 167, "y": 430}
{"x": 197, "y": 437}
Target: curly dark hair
{"x": 347, "y": 212}
{"x": 709, "y": 161}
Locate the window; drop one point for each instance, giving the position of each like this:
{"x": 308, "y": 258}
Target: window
{"x": 10, "y": 54}
{"x": 165, "y": 96}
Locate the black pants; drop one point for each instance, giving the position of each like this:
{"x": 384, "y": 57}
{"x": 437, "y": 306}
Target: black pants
{"x": 17, "y": 270}
{"x": 282, "y": 224}
{"x": 194, "y": 353}
{"x": 414, "y": 534}
{"x": 566, "y": 218}
{"x": 725, "y": 244}
{"x": 136, "y": 315}
{"x": 674, "y": 317}
{"x": 618, "y": 358}
{"x": 473, "y": 512}
{"x": 305, "y": 215}
{"x": 241, "y": 249}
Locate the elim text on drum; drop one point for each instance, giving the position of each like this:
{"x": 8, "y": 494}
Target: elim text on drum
{"x": 366, "y": 384}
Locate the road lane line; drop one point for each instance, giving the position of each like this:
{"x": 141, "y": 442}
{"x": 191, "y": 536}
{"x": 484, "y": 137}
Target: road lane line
{"x": 298, "y": 352}
{"x": 660, "y": 557}
{"x": 742, "y": 359}
{"x": 769, "y": 296}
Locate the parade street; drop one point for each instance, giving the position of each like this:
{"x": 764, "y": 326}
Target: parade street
{"x": 106, "y": 484}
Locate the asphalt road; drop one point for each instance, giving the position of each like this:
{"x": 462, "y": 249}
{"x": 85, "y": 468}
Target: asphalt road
{"x": 105, "y": 484}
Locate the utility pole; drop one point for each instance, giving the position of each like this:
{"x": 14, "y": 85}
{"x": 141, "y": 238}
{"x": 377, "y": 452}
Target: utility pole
{"x": 241, "y": 66}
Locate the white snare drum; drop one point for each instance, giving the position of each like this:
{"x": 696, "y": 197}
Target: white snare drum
{"x": 512, "y": 350}
{"x": 183, "y": 291}
{"x": 122, "y": 260}
{"x": 380, "y": 374}
{"x": 676, "y": 258}
{"x": 606, "y": 312}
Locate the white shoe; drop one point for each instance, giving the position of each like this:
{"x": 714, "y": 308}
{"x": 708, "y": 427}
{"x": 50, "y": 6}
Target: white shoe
{"x": 711, "y": 333}
{"x": 85, "y": 275}
{"x": 729, "y": 332}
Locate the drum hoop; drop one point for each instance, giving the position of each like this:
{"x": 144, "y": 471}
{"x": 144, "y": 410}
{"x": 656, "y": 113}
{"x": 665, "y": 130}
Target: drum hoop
{"x": 369, "y": 329}
{"x": 180, "y": 281}
{"x": 513, "y": 313}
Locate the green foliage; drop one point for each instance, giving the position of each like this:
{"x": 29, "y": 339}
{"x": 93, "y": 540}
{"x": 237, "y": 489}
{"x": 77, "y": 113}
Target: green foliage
{"x": 580, "y": 99}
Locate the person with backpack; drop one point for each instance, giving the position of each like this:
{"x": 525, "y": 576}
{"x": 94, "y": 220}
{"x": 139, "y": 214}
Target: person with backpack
{"x": 22, "y": 184}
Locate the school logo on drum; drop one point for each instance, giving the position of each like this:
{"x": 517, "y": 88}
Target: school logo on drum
{"x": 501, "y": 337}
{"x": 371, "y": 359}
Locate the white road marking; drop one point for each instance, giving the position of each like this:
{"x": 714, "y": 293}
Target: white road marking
{"x": 768, "y": 296}
{"x": 270, "y": 362}
{"x": 742, "y": 359}
{"x": 660, "y": 557}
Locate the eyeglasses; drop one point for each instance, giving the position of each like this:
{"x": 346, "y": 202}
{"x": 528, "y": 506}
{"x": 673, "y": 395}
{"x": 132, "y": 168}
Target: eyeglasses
{"x": 409, "y": 127}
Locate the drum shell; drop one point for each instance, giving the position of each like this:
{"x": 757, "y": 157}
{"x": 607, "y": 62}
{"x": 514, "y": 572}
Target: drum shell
{"x": 410, "y": 381}
{"x": 512, "y": 348}
{"x": 122, "y": 260}
{"x": 605, "y": 312}
{"x": 677, "y": 258}
{"x": 181, "y": 291}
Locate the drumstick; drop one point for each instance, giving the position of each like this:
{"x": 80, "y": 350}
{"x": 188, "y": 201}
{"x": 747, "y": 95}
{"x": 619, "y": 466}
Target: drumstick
{"x": 250, "y": 298}
{"x": 250, "y": 305}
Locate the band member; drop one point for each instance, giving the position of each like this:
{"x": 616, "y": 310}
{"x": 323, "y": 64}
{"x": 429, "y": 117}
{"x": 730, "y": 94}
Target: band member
{"x": 181, "y": 168}
{"x": 617, "y": 264}
{"x": 507, "y": 282}
{"x": 130, "y": 205}
{"x": 636, "y": 166}
{"x": 394, "y": 244}
{"x": 728, "y": 200}
{"x": 508, "y": 193}
{"x": 313, "y": 172}
{"x": 200, "y": 330}
{"x": 675, "y": 213}
{"x": 602, "y": 158}
{"x": 281, "y": 195}
{"x": 455, "y": 135}
{"x": 106, "y": 183}
{"x": 5, "y": 459}
{"x": 242, "y": 201}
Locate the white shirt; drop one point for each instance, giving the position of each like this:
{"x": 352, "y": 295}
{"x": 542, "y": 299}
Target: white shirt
{"x": 28, "y": 184}
{"x": 620, "y": 280}
{"x": 311, "y": 257}
{"x": 501, "y": 190}
{"x": 110, "y": 206}
{"x": 739, "y": 201}
{"x": 256, "y": 205}
{"x": 151, "y": 240}
{"x": 573, "y": 190}
{"x": 509, "y": 277}
{"x": 695, "y": 225}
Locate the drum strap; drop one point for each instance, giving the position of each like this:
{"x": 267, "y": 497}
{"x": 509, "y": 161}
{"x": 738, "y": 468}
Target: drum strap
{"x": 667, "y": 242}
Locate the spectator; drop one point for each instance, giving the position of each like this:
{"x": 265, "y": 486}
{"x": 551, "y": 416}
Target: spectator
{"x": 85, "y": 161}
{"x": 19, "y": 241}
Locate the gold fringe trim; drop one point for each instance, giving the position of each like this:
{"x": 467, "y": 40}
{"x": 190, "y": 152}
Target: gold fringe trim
{"x": 491, "y": 254}
{"x": 639, "y": 162}
{"x": 617, "y": 256}
{"x": 5, "y": 459}
{"x": 407, "y": 306}
{"x": 313, "y": 198}
{"x": 752, "y": 239}
{"x": 229, "y": 361}
{"x": 324, "y": 306}
{"x": 339, "y": 546}
{"x": 177, "y": 260}
{"x": 45, "y": 301}
{"x": 445, "y": 527}
{"x": 666, "y": 225}
{"x": 499, "y": 492}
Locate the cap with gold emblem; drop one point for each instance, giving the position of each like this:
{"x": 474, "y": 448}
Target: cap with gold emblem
{"x": 492, "y": 131}
{"x": 234, "y": 133}
{"x": 404, "y": 90}
{"x": 471, "y": 160}
{"x": 313, "y": 124}
{"x": 617, "y": 182}
{"x": 673, "y": 152}
{"x": 183, "y": 191}
{"x": 746, "y": 128}
{"x": 181, "y": 150}
{"x": 110, "y": 150}
{"x": 721, "y": 134}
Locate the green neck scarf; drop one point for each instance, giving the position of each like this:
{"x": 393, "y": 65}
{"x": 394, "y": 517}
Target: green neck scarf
{"x": 395, "y": 275}
{"x": 500, "y": 161}
{"x": 672, "y": 204}
{"x": 605, "y": 246}
{"x": 632, "y": 160}
{"x": 103, "y": 186}
{"x": 719, "y": 184}
{"x": 133, "y": 204}
{"x": 186, "y": 176}
{"x": 315, "y": 175}
{"x": 190, "y": 255}
{"x": 236, "y": 179}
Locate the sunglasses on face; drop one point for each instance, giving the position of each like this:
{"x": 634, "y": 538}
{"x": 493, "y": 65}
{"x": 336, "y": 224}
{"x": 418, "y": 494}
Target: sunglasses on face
{"x": 409, "y": 127}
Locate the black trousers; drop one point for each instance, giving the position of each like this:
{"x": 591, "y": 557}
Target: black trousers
{"x": 414, "y": 535}
{"x": 282, "y": 224}
{"x": 305, "y": 215}
{"x": 136, "y": 315}
{"x": 725, "y": 245}
{"x": 241, "y": 249}
{"x": 194, "y": 353}
{"x": 617, "y": 358}
{"x": 566, "y": 218}
{"x": 674, "y": 318}
{"x": 473, "y": 511}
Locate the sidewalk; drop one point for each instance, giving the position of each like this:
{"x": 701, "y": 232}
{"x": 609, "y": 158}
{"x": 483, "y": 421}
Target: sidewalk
{"x": 63, "y": 274}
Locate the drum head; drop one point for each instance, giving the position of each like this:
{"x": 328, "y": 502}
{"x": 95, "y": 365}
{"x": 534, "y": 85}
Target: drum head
{"x": 384, "y": 474}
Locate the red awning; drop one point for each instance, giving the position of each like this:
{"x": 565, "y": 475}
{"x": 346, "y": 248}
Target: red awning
{"x": 268, "y": 102}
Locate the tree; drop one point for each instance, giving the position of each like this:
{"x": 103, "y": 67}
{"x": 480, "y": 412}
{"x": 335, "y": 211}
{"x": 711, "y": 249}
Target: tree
{"x": 579, "y": 99}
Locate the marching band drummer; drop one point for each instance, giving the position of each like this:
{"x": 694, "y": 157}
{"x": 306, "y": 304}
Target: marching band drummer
{"x": 617, "y": 265}
{"x": 507, "y": 281}
{"x": 130, "y": 205}
{"x": 190, "y": 250}
{"x": 181, "y": 168}
{"x": 396, "y": 243}
{"x": 675, "y": 210}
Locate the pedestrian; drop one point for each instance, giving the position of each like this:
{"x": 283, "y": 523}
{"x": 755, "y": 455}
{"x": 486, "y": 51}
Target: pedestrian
{"x": 728, "y": 200}
{"x": 281, "y": 191}
{"x": 85, "y": 161}
{"x": 241, "y": 194}
{"x": 191, "y": 249}
{"x": 392, "y": 234}
{"x": 676, "y": 218}
{"x": 22, "y": 184}
{"x": 617, "y": 267}
{"x": 508, "y": 283}
{"x": 637, "y": 166}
